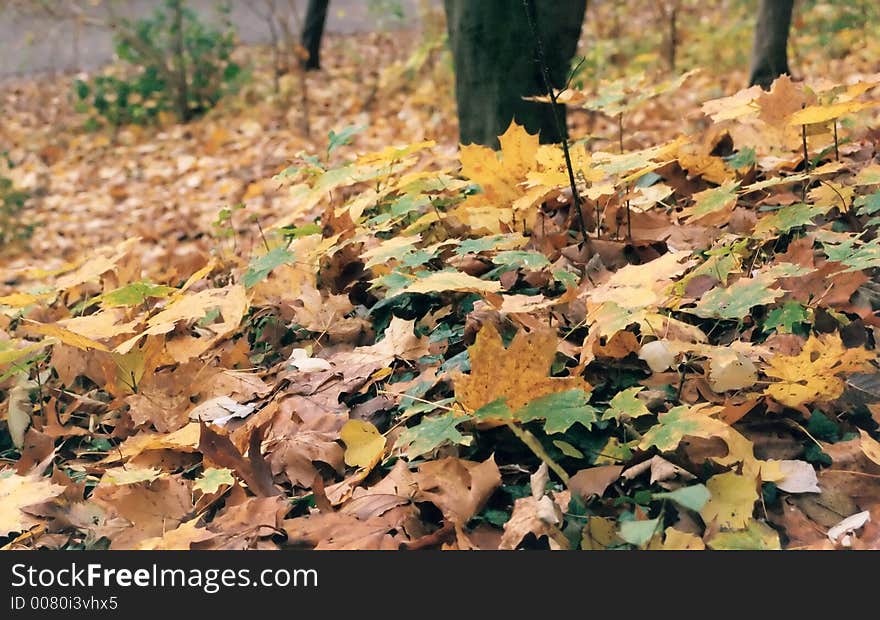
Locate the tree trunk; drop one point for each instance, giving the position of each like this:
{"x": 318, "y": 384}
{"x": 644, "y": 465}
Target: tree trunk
{"x": 494, "y": 54}
{"x": 770, "y": 50}
{"x": 183, "y": 109}
{"x": 313, "y": 30}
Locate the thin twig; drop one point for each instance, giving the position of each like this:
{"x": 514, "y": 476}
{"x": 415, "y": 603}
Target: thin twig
{"x": 532, "y": 16}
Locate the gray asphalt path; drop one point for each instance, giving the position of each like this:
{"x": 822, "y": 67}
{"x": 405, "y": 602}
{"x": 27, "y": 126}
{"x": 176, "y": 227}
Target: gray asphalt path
{"x": 30, "y": 45}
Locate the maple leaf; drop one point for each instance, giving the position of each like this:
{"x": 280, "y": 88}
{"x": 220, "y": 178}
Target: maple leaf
{"x": 732, "y": 500}
{"x": 625, "y": 405}
{"x": 431, "y": 433}
{"x": 812, "y": 375}
{"x": 499, "y": 176}
{"x": 640, "y": 286}
{"x": 518, "y": 374}
{"x": 559, "y": 410}
{"x": 735, "y": 301}
{"x": 680, "y": 422}
{"x": 712, "y": 206}
{"x": 212, "y": 479}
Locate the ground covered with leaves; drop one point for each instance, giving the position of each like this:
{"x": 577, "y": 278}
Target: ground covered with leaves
{"x": 234, "y": 335}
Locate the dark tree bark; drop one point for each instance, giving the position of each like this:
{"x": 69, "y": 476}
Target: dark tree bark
{"x": 313, "y": 31}
{"x": 494, "y": 55}
{"x": 770, "y": 49}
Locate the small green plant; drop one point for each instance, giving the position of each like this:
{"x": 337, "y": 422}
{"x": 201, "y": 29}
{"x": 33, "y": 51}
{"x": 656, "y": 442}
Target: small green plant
{"x": 174, "y": 63}
{"x": 13, "y": 228}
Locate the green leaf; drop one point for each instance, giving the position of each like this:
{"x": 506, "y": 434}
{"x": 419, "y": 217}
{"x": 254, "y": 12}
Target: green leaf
{"x": 868, "y": 205}
{"x": 560, "y": 411}
{"x": 788, "y": 217}
{"x": 521, "y": 258}
{"x": 343, "y": 137}
{"x": 712, "y": 200}
{"x": 784, "y": 320}
{"x": 743, "y": 158}
{"x": 626, "y": 405}
{"x": 866, "y": 256}
{"x": 496, "y": 410}
{"x": 692, "y": 498}
{"x": 677, "y": 423}
{"x": 484, "y": 244}
{"x": 135, "y": 294}
{"x": 295, "y": 232}
{"x": 260, "y": 267}
{"x": 568, "y": 450}
{"x": 432, "y": 433}
{"x": 213, "y": 478}
{"x": 735, "y": 301}
{"x": 638, "y": 533}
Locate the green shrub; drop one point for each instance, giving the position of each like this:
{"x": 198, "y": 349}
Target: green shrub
{"x": 175, "y": 63}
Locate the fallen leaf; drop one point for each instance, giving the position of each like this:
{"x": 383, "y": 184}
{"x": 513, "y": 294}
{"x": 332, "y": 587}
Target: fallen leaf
{"x": 594, "y": 480}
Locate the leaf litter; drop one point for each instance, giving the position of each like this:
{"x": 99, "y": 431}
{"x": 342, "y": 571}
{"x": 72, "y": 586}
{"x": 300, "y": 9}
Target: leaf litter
{"x": 405, "y": 346}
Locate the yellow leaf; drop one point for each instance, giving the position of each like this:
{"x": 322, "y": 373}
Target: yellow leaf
{"x": 736, "y": 106}
{"x": 732, "y": 502}
{"x": 100, "y": 325}
{"x": 364, "y": 444}
{"x": 518, "y": 374}
{"x": 812, "y": 375}
{"x": 641, "y": 286}
{"x": 64, "y": 335}
{"x": 823, "y": 113}
{"x": 452, "y": 281}
{"x": 500, "y": 177}
{"x": 185, "y": 439}
{"x": 10, "y": 355}
{"x": 870, "y": 446}
{"x": 130, "y": 475}
{"x": 832, "y": 195}
{"x": 21, "y": 300}
{"x": 676, "y": 540}
{"x": 179, "y": 539}
{"x": 518, "y": 149}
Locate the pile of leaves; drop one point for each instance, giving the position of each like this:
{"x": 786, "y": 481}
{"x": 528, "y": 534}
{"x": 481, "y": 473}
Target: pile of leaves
{"x": 416, "y": 349}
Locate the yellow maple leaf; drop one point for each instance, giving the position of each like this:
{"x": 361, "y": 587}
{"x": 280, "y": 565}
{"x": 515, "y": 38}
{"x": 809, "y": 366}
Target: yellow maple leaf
{"x": 500, "y": 176}
{"x": 732, "y": 502}
{"x": 812, "y": 375}
{"x": 517, "y": 374}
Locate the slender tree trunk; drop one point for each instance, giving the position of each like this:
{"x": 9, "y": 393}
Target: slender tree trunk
{"x": 313, "y": 31}
{"x": 183, "y": 110}
{"x": 494, "y": 54}
{"x": 770, "y": 49}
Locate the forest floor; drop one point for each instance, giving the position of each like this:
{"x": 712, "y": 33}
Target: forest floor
{"x": 309, "y": 319}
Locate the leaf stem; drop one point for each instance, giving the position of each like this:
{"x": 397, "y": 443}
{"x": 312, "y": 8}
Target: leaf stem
{"x": 535, "y": 446}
